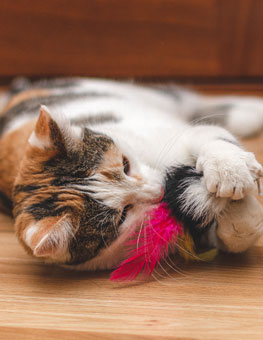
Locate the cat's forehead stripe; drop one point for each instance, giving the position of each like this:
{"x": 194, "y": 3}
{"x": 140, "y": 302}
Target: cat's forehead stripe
{"x": 74, "y": 167}
{"x": 102, "y": 118}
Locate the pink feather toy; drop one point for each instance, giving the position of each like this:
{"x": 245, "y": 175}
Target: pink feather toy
{"x": 149, "y": 245}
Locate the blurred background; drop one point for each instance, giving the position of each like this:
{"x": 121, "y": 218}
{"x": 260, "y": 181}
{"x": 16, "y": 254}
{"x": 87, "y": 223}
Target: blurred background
{"x": 215, "y": 42}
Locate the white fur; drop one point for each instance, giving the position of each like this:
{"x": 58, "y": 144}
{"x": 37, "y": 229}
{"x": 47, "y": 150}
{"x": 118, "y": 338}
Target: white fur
{"x": 30, "y": 231}
{"x": 40, "y": 143}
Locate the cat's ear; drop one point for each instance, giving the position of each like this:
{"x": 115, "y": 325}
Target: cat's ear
{"x": 53, "y": 131}
{"x": 49, "y": 237}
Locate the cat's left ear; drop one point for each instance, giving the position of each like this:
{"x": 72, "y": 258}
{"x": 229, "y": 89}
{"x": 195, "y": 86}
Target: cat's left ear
{"x": 53, "y": 131}
{"x": 49, "y": 237}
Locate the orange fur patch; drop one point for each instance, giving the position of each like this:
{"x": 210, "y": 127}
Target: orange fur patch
{"x": 42, "y": 129}
{"x": 25, "y": 95}
{"x": 12, "y": 150}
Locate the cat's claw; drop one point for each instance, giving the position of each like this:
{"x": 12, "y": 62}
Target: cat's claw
{"x": 230, "y": 172}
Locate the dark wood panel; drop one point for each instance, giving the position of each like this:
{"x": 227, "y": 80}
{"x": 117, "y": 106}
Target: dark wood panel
{"x": 241, "y": 37}
{"x": 108, "y": 37}
{"x": 131, "y": 38}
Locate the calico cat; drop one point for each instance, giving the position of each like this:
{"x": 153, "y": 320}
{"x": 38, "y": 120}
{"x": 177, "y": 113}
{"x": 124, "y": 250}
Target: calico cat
{"x": 82, "y": 160}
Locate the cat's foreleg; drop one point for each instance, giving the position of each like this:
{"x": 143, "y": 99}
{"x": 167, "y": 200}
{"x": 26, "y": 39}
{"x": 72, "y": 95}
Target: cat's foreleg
{"x": 231, "y": 225}
{"x": 229, "y": 171}
{"x": 229, "y": 175}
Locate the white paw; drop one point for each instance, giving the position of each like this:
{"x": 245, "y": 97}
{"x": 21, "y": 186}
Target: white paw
{"x": 228, "y": 170}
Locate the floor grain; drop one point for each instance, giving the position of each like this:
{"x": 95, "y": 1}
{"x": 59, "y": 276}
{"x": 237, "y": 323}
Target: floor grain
{"x": 219, "y": 300}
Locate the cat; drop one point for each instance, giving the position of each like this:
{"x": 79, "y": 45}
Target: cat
{"x": 83, "y": 160}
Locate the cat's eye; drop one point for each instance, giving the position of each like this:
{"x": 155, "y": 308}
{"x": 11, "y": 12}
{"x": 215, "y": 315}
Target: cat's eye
{"x": 126, "y": 165}
{"x": 124, "y": 213}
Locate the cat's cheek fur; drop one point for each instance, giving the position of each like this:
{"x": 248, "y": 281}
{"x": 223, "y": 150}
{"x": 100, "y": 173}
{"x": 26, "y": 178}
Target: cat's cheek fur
{"x": 111, "y": 256}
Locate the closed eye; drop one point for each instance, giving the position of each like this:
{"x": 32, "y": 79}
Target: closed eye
{"x": 126, "y": 165}
{"x": 124, "y": 213}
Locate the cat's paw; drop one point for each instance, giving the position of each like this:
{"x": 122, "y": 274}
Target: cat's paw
{"x": 240, "y": 225}
{"x": 228, "y": 170}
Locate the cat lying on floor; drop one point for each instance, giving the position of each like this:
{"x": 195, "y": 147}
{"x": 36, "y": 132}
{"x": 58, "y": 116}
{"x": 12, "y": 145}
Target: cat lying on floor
{"x": 81, "y": 174}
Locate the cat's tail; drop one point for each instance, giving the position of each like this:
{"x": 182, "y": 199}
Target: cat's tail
{"x": 241, "y": 115}
{"x": 212, "y": 221}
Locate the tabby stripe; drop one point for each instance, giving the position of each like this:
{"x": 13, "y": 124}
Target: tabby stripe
{"x": 47, "y": 208}
{"x": 31, "y": 106}
{"x": 27, "y": 188}
{"x": 22, "y": 84}
{"x": 216, "y": 114}
{"x": 230, "y": 141}
{"x": 95, "y": 119}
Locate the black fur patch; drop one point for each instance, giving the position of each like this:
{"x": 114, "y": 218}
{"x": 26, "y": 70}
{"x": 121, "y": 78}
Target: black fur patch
{"x": 26, "y": 188}
{"x": 5, "y": 202}
{"x": 47, "y": 208}
{"x": 177, "y": 181}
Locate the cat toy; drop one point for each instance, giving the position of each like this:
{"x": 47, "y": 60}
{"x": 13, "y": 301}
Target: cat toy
{"x": 150, "y": 244}
{"x": 166, "y": 228}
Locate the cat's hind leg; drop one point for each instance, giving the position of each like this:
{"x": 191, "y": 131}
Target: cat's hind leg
{"x": 239, "y": 225}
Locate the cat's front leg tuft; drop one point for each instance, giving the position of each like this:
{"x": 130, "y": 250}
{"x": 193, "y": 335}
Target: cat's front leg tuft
{"x": 228, "y": 170}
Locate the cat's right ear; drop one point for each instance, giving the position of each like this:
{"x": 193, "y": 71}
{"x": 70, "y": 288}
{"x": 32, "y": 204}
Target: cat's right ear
{"x": 53, "y": 131}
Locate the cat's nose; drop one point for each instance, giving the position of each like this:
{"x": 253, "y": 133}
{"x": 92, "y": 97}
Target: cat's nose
{"x": 160, "y": 197}
{"x": 150, "y": 194}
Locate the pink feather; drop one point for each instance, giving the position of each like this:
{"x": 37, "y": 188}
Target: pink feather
{"x": 150, "y": 245}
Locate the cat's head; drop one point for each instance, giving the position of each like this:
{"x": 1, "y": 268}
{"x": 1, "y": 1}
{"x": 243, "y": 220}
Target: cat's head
{"x": 77, "y": 191}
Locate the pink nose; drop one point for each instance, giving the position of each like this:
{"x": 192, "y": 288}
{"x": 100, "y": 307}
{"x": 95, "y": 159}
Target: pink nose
{"x": 159, "y": 199}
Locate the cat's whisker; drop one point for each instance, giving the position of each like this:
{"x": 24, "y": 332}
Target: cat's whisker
{"x": 162, "y": 282}
{"x": 166, "y": 272}
{"x": 174, "y": 268}
{"x": 101, "y": 232}
{"x": 139, "y": 235}
{"x": 183, "y": 272}
{"x": 158, "y": 280}
{"x": 189, "y": 253}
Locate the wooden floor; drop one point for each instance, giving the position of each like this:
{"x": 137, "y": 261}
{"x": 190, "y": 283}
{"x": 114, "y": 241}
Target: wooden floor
{"x": 219, "y": 300}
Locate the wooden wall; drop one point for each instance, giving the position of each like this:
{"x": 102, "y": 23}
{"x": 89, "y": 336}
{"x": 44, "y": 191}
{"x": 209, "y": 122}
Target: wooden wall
{"x": 132, "y": 38}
